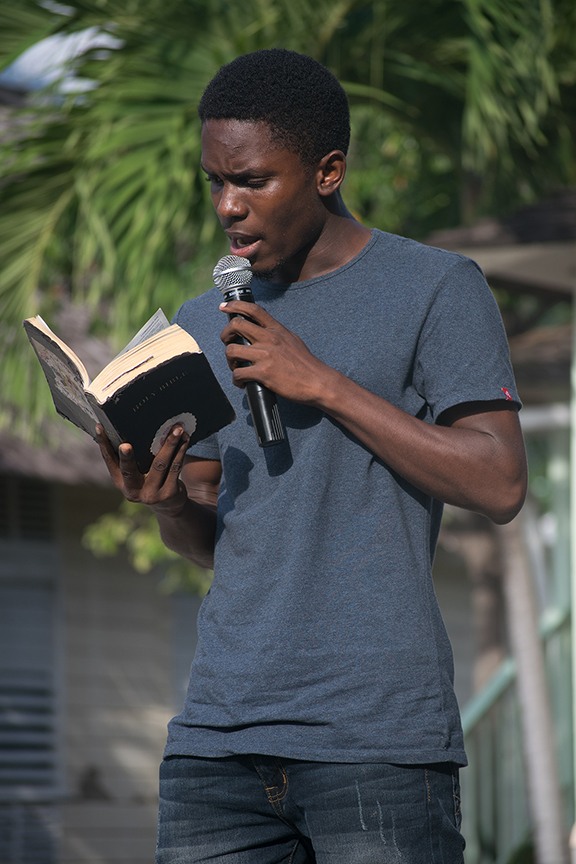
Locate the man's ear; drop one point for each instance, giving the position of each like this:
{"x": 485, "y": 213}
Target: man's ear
{"x": 330, "y": 173}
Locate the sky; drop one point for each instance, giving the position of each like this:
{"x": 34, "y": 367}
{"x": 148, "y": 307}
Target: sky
{"x": 52, "y": 60}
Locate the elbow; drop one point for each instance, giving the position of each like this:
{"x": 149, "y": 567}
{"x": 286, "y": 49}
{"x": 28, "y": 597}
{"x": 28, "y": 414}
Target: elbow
{"x": 509, "y": 500}
{"x": 200, "y": 556}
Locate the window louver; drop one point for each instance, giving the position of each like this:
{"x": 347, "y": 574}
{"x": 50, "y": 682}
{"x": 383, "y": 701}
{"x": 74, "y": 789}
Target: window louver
{"x": 28, "y": 834}
{"x": 30, "y": 761}
{"x": 25, "y": 509}
{"x": 28, "y": 751}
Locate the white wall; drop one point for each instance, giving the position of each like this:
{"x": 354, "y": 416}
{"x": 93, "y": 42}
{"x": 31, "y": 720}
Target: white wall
{"x": 118, "y": 694}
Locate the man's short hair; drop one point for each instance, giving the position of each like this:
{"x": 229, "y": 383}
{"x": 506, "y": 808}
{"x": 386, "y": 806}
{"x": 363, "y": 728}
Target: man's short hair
{"x": 302, "y": 102}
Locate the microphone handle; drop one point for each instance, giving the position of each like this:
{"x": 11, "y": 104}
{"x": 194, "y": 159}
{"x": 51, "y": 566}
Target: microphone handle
{"x": 262, "y": 401}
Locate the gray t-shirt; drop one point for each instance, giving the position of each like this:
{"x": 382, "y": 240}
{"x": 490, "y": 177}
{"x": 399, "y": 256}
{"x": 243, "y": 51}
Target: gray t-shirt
{"x": 321, "y": 638}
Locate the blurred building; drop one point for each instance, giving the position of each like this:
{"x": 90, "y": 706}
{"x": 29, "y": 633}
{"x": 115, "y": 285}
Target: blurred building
{"x": 93, "y": 663}
{"x": 529, "y": 260}
{"x": 94, "y": 658}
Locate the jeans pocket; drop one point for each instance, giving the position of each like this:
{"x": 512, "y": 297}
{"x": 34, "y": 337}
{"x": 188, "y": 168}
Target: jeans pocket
{"x": 456, "y": 795}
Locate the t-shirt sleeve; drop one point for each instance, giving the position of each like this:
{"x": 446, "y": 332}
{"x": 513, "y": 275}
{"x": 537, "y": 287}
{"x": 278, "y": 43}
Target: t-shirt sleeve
{"x": 206, "y": 449}
{"x": 463, "y": 353}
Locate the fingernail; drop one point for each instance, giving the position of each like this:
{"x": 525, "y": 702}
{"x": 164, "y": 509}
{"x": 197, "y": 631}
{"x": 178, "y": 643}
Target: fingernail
{"x": 124, "y": 449}
{"x": 223, "y": 305}
{"x": 177, "y": 431}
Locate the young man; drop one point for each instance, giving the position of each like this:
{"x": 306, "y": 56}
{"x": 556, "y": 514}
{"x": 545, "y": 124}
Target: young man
{"x": 321, "y": 723}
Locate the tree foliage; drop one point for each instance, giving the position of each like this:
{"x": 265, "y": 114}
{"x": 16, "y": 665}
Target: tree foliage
{"x": 134, "y": 528}
{"x": 459, "y": 108}
{"x": 454, "y": 102}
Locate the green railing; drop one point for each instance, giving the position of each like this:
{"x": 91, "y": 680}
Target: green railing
{"x": 496, "y": 818}
{"x": 496, "y": 814}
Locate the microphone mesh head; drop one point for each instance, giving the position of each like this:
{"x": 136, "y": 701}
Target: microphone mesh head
{"x": 232, "y": 272}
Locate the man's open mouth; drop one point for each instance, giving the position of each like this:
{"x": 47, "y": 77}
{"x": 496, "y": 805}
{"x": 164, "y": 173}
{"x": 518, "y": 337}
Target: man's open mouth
{"x": 244, "y": 246}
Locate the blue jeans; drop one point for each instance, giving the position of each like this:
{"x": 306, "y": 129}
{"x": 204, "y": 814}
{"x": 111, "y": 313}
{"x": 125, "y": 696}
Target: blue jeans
{"x": 264, "y": 810}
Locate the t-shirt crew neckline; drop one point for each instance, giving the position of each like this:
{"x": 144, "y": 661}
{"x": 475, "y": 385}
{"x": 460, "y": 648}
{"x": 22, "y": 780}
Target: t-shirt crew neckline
{"x": 306, "y": 283}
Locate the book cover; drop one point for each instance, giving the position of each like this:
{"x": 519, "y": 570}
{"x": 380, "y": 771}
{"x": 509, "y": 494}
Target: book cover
{"x": 153, "y": 384}
{"x": 182, "y": 390}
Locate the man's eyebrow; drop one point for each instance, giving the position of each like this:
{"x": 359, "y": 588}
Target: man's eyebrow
{"x": 249, "y": 174}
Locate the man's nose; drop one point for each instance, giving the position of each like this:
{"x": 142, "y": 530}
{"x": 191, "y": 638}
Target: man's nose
{"x": 229, "y": 205}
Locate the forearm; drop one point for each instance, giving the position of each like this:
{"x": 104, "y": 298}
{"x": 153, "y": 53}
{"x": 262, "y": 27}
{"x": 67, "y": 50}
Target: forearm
{"x": 189, "y": 530}
{"x": 475, "y": 459}
{"x": 469, "y": 467}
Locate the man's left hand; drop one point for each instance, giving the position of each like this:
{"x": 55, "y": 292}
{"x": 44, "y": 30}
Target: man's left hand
{"x": 280, "y": 359}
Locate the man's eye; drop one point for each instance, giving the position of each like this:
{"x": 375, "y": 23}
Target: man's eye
{"x": 255, "y": 184}
{"x": 216, "y": 180}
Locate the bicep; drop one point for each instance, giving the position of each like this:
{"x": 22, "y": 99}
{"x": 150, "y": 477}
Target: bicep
{"x": 202, "y": 479}
{"x": 497, "y": 416}
{"x": 498, "y": 420}
{"x": 495, "y": 473}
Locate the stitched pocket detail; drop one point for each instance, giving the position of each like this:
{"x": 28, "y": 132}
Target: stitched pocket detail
{"x": 456, "y": 795}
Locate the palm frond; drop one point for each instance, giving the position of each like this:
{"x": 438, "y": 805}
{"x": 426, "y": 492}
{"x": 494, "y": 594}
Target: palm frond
{"x": 101, "y": 196}
{"x": 23, "y": 24}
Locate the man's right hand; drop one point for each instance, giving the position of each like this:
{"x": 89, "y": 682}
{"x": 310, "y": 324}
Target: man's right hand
{"x": 161, "y": 488}
{"x": 181, "y": 491}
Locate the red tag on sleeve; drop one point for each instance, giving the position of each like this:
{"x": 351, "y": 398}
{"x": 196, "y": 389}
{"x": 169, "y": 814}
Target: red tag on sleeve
{"x": 507, "y": 394}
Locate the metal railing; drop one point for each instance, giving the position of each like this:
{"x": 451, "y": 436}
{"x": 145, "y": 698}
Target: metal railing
{"x": 496, "y": 813}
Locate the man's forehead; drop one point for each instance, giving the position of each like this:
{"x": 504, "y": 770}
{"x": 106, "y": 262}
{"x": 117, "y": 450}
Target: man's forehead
{"x": 235, "y": 134}
{"x": 242, "y": 144}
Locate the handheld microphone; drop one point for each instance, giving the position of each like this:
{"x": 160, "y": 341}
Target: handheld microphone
{"x": 232, "y": 276}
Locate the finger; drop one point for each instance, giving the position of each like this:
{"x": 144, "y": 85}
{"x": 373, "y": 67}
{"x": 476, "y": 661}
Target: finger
{"x": 129, "y": 470}
{"x": 178, "y": 461}
{"x": 109, "y": 455}
{"x": 104, "y": 443}
{"x": 174, "y": 485}
{"x": 242, "y": 355}
{"x": 163, "y": 485}
{"x": 250, "y": 310}
{"x": 241, "y": 375}
{"x": 241, "y": 327}
{"x": 170, "y": 457}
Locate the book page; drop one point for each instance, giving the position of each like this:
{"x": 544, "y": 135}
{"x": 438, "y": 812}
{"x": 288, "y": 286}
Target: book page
{"x": 52, "y": 344}
{"x": 65, "y": 382}
{"x": 160, "y": 348}
{"x": 155, "y": 324}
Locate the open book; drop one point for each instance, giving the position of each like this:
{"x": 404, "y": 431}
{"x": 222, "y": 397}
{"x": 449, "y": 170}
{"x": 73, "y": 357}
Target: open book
{"x": 161, "y": 378}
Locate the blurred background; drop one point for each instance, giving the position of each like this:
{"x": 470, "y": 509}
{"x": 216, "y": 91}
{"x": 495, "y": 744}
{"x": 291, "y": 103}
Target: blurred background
{"x": 463, "y": 125}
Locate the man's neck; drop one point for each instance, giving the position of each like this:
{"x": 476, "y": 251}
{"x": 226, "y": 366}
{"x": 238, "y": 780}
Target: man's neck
{"x": 337, "y": 246}
{"x": 341, "y": 239}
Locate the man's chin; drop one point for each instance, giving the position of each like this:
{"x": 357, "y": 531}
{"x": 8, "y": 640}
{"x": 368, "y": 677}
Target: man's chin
{"x": 268, "y": 274}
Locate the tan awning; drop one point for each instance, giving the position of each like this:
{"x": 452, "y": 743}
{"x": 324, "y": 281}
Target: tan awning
{"x": 547, "y": 267}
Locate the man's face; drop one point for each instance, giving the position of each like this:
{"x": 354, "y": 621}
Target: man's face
{"x": 265, "y": 197}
